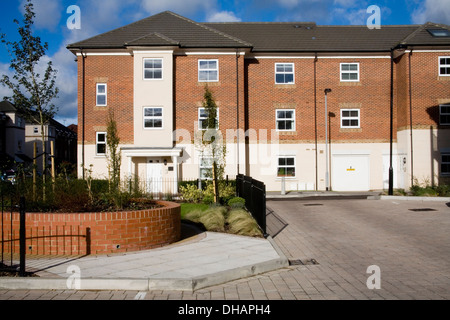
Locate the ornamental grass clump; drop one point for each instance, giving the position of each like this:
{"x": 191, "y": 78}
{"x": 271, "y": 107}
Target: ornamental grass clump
{"x": 240, "y": 222}
{"x": 214, "y": 219}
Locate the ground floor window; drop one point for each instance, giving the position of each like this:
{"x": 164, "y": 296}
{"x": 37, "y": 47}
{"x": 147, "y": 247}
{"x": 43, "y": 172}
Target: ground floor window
{"x": 444, "y": 114}
{"x": 445, "y": 164}
{"x": 286, "y": 167}
{"x": 101, "y": 143}
{"x": 206, "y": 166}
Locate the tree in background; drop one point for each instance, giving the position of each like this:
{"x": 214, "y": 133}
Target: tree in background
{"x": 33, "y": 84}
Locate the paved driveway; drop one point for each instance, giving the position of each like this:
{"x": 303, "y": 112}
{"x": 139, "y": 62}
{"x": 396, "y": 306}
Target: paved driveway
{"x": 345, "y": 237}
{"x": 411, "y": 248}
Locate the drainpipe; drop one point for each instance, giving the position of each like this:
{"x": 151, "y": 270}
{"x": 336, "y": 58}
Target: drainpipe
{"x": 237, "y": 107}
{"x": 411, "y": 118}
{"x": 391, "y": 170}
{"x": 315, "y": 118}
{"x": 83, "y": 114}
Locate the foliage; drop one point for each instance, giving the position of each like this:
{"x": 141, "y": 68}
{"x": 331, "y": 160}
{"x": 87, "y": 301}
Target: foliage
{"x": 113, "y": 154}
{"x": 191, "y": 193}
{"x": 237, "y": 203}
{"x": 32, "y": 92}
{"x": 242, "y": 223}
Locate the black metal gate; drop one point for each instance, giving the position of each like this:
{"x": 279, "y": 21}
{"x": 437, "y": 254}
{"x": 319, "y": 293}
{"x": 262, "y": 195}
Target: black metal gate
{"x": 254, "y": 193}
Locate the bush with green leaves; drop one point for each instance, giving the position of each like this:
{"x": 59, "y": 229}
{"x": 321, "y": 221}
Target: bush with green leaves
{"x": 236, "y": 202}
{"x": 191, "y": 193}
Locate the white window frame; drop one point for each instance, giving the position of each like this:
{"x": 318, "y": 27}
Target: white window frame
{"x": 285, "y": 119}
{"x": 153, "y": 69}
{"x": 444, "y": 113}
{"x": 445, "y": 65}
{"x": 153, "y": 118}
{"x": 105, "y": 94}
{"x": 203, "y": 167}
{"x": 97, "y": 143}
{"x": 286, "y": 166}
{"x": 284, "y": 72}
{"x": 350, "y": 118}
{"x": 203, "y": 118}
{"x": 357, "y": 72}
{"x": 208, "y": 70}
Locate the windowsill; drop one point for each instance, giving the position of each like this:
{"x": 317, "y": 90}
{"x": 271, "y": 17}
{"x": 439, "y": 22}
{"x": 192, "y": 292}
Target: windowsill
{"x": 350, "y": 83}
{"x": 285, "y": 86}
{"x": 286, "y": 178}
{"x": 444, "y": 78}
{"x": 287, "y": 133}
{"x": 209, "y": 83}
{"x": 350, "y": 130}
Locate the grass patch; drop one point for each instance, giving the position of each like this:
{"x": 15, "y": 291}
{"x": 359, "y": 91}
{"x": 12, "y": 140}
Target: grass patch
{"x": 189, "y": 207}
{"x": 242, "y": 223}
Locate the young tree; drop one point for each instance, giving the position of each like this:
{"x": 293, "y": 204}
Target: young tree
{"x": 113, "y": 153}
{"x": 32, "y": 91}
{"x": 212, "y": 141}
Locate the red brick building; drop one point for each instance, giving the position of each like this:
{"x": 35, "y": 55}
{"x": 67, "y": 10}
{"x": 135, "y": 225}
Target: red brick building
{"x": 389, "y": 99}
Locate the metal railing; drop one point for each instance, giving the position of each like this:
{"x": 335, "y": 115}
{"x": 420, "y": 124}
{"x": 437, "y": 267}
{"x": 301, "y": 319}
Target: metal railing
{"x": 254, "y": 193}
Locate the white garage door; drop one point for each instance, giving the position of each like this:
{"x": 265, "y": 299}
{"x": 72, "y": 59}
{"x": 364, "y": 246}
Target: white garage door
{"x": 350, "y": 173}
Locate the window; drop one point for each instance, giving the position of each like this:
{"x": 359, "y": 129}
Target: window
{"x": 101, "y": 94}
{"x": 445, "y": 164}
{"x": 101, "y": 144}
{"x": 203, "y": 119}
{"x": 153, "y": 118}
{"x": 284, "y": 73}
{"x": 285, "y": 120}
{"x": 350, "y": 118}
{"x": 439, "y": 32}
{"x": 444, "y": 66}
{"x": 444, "y": 114}
{"x": 35, "y": 130}
{"x": 286, "y": 167}
{"x": 206, "y": 165}
{"x": 208, "y": 70}
{"x": 350, "y": 72}
{"x": 153, "y": 69}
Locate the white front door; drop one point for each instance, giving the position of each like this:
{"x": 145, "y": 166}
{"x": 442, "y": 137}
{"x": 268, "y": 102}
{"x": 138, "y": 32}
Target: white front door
{"x": 154, "y": 176}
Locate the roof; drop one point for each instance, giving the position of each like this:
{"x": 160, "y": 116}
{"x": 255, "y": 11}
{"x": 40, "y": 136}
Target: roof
{"x": 6, "y": 106}
{"x": 166, "y": 28}
{"x": 170, "y": 29}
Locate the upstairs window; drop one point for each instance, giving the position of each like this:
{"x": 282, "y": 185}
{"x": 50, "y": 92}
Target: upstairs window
{"x": 101, "y": 94}
{"x": 101, "y": 144}
{"x": 350, "y": 118}
{"x": 444, "y": 66}
{"x": 350, "y": 72}
{"x": 153, "y": 118}
{"x": 153, "y": 69}
{"x": 208, "y": 70}
{"x": 203, "y": 119}
{"x": 285, "y": 120}
{"x": 284, "y": 73}
{"x": 444, "y": 114}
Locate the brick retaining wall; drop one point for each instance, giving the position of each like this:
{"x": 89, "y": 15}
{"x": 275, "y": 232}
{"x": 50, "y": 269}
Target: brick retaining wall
{"x": 94, "y": 233}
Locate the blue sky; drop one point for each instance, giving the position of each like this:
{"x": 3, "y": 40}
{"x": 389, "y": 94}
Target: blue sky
{"x": 104, "y": 15}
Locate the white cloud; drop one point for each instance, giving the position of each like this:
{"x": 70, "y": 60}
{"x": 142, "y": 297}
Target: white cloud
{"x": 223, "y": 16}
{"x": 48, "y": 13}
{"x": 432, "y": 10}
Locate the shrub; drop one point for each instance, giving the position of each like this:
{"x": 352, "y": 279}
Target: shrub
{"x": 191, "y": 193}
{"x": 236, "y": 202}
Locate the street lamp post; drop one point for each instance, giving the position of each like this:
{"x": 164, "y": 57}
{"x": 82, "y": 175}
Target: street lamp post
{"x": 327, "y": 178}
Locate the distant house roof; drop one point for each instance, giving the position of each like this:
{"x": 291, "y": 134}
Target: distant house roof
{"x": 6, "y": 106}
{"x": 170, "y": 29}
